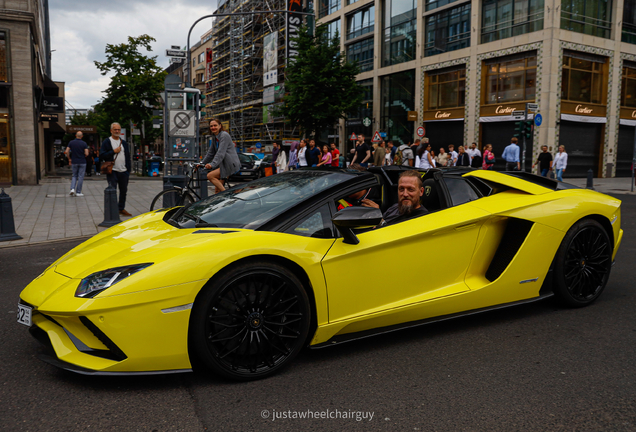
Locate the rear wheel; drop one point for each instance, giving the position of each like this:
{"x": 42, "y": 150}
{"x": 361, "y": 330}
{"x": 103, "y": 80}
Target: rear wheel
{"x": 170, "y": 198}
{"x": 251, "y": 322}
{"x": 583, "y": 264}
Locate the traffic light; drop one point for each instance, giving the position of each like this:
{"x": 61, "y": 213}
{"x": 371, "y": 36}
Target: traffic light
{"x": 202, "y": 101}
{"x": 520, "y": 129}
{"x": 529, "y": 128}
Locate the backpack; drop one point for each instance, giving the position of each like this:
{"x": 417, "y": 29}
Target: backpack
{"x": 476, "y": 163}
{"x": 398, "y": 159}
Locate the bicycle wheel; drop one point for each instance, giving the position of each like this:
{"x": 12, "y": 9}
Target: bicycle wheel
{"x": 171, "y": 198}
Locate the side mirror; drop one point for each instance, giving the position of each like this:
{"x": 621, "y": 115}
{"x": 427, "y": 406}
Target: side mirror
{"x": 355, "y": 217}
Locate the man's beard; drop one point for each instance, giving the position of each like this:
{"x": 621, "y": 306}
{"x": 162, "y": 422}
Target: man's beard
{"x": 406, "y": 207}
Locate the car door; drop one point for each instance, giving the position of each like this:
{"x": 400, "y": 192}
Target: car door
{"x": 402, "y": 264}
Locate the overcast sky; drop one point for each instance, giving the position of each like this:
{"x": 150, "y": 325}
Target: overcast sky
{"x": 81, "y": 30}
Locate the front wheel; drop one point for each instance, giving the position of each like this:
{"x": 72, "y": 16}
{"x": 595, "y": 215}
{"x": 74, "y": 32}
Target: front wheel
{"x": 171, "y": 198}
{"x": 251, "y": 322}
{"x": 583, "y": 264}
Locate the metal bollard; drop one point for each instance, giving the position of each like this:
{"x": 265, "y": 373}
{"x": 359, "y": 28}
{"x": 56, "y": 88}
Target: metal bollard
{"x": 203, "y": 184}
{"x": 111, "y": 210}
{"x": 7, "y": 227}
{"x": 168, "y": 199}
{"x": 590, "y": 179}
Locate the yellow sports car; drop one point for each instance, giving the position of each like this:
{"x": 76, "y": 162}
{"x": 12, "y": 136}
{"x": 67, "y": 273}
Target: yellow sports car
{"x": 240, "y": 282}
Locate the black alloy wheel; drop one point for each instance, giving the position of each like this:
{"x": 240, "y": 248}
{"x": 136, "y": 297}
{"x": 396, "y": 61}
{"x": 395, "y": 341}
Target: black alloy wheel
{"x": 251, "y": 323}
{"x": 583, "y": 265}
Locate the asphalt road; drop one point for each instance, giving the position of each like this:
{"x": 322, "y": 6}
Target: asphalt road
{"x": 535, "y": 367}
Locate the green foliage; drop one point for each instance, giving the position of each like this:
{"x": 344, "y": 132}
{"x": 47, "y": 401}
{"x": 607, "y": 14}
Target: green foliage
{"x": 136, "y": 83}
{"x": 320, "y": 83}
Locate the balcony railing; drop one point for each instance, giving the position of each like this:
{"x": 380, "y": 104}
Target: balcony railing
{"x": 509, "y": 28}
{"x": 629, "y": 33}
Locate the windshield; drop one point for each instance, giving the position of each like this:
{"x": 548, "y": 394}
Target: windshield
{"x": 251, "y": 205}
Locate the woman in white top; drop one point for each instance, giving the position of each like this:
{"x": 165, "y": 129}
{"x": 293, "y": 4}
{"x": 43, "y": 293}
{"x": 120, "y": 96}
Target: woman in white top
{"x": 560, "y": 162}
{"x": 302, "y": 160}
{"x": 425, "y": 157}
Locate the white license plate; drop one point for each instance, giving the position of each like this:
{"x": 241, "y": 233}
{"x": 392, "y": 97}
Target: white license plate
{"x": 245, "y": 173}
{"x": 24, "y": 315}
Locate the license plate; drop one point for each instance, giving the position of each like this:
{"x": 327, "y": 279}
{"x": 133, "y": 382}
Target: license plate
{"x": 245, "y": 173}
{"x": 24, "y": 315}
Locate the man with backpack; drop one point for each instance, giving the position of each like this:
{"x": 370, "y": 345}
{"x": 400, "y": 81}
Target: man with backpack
{"x": 404, "y": 156}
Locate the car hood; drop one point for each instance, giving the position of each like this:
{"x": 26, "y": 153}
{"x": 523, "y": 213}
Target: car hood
{"x": 144, "y": 239}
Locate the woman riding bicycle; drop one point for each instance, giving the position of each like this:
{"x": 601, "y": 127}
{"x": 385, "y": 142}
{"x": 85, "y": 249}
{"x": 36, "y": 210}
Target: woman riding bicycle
{"x": 221, "y": 158}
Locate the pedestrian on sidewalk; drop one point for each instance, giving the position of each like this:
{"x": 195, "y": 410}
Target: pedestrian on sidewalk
{"x": 89, "y": 161}
{"x": 77, "y": 151}
{"x": 115, "y": 149}
{"x": 511, "y": 156}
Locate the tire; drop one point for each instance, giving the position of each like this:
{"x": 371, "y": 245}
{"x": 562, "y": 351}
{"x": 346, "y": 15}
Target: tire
{"x": 170, "y": 196}
{"x": 583, "y": 264}
{"x": 251, "y": 322}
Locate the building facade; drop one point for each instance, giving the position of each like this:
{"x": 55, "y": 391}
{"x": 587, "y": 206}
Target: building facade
{"x": 30, "y": 102}
{"x": 466, "y": 65}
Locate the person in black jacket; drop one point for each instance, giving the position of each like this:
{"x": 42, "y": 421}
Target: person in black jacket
{"x": 462, "y": 157}
{"x": 115, "y": 149}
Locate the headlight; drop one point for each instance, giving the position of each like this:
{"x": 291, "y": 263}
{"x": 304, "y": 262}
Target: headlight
{"x": 93, "y": 284}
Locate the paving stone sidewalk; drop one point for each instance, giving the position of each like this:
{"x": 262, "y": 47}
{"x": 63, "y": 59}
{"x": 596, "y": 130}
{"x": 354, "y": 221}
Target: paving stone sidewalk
{"x": 46, "y": 212}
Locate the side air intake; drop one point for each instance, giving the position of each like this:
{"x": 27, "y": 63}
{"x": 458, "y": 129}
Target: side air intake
{"x": 516, "y": 232}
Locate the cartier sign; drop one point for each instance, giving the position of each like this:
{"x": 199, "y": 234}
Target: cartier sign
{"x": 583, "y": 109}
{"x": 501, "y": 110}
{"x": 504, "y": 110}
{"x": 447, "y": 114}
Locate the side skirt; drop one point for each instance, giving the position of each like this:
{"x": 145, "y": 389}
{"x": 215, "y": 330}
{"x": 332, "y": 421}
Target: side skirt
{"x": 340, "y": 339}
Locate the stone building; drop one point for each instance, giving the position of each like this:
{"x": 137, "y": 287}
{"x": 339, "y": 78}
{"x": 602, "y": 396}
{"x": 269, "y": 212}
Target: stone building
{"x": 465, "y": 65}
{"x": 30, "y": 102}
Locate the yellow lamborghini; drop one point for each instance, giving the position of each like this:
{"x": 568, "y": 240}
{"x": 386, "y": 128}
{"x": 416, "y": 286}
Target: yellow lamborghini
{"x": 240, "y": 282}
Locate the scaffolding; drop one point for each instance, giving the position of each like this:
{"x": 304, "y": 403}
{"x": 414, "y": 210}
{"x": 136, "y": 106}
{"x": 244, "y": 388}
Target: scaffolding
{"x": 234, "y": 90}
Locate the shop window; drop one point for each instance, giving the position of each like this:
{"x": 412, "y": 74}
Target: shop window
{"x": 502, "y": 19}
{"x": 362, "y": 52}
{"x": 448, "y": 30}
{"x": 361, "y": 22}
{"x": 512, "y": 80}
{"x": 446, "y": 89}
{"x": 400, "y": 29}
{"x": 327, "y": 7}
{"x": 582, "y": 79}
{"x": 433, "y": 4}
{"x": 355, "y": 119}
{"x": 5, "y": 138}
{"x": 629, "y": 22}
{"x": 593, "y": 17}
{"x": 628, "y": 87}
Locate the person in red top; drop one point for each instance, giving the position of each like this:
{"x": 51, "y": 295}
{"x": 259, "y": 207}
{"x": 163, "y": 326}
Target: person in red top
{"x": 335, "y": 156}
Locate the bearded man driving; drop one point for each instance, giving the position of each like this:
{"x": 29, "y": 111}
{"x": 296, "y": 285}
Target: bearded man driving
{"x": 410, "y": 191}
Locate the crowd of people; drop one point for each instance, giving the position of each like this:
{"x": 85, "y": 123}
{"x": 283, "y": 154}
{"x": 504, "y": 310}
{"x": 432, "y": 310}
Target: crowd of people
{"x": 418, "y": 154}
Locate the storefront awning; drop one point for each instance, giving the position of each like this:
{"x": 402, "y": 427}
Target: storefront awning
{"x": 628, "y": 122}
{"x": 54, "y": 127}
{"x": 583, "y": 119}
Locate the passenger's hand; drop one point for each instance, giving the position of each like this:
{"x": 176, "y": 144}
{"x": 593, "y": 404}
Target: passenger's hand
{"x": 368, "y": 203}
{"x": 208, "y": 166}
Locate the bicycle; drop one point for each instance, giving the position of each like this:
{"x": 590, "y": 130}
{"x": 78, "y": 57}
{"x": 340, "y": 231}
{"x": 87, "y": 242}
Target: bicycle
{"x": 180, "y": 196}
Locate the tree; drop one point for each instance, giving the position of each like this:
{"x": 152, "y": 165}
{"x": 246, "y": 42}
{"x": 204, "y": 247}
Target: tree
{"x": 320, "y": 83}
{"x": 136, "y": 84}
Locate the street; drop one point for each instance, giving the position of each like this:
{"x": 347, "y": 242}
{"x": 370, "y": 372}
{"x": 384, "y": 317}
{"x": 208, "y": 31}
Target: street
{"x": 533, "y": 367}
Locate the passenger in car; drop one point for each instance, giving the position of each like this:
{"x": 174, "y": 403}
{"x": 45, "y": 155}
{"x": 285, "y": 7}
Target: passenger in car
{"x": 410, "y": 191}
